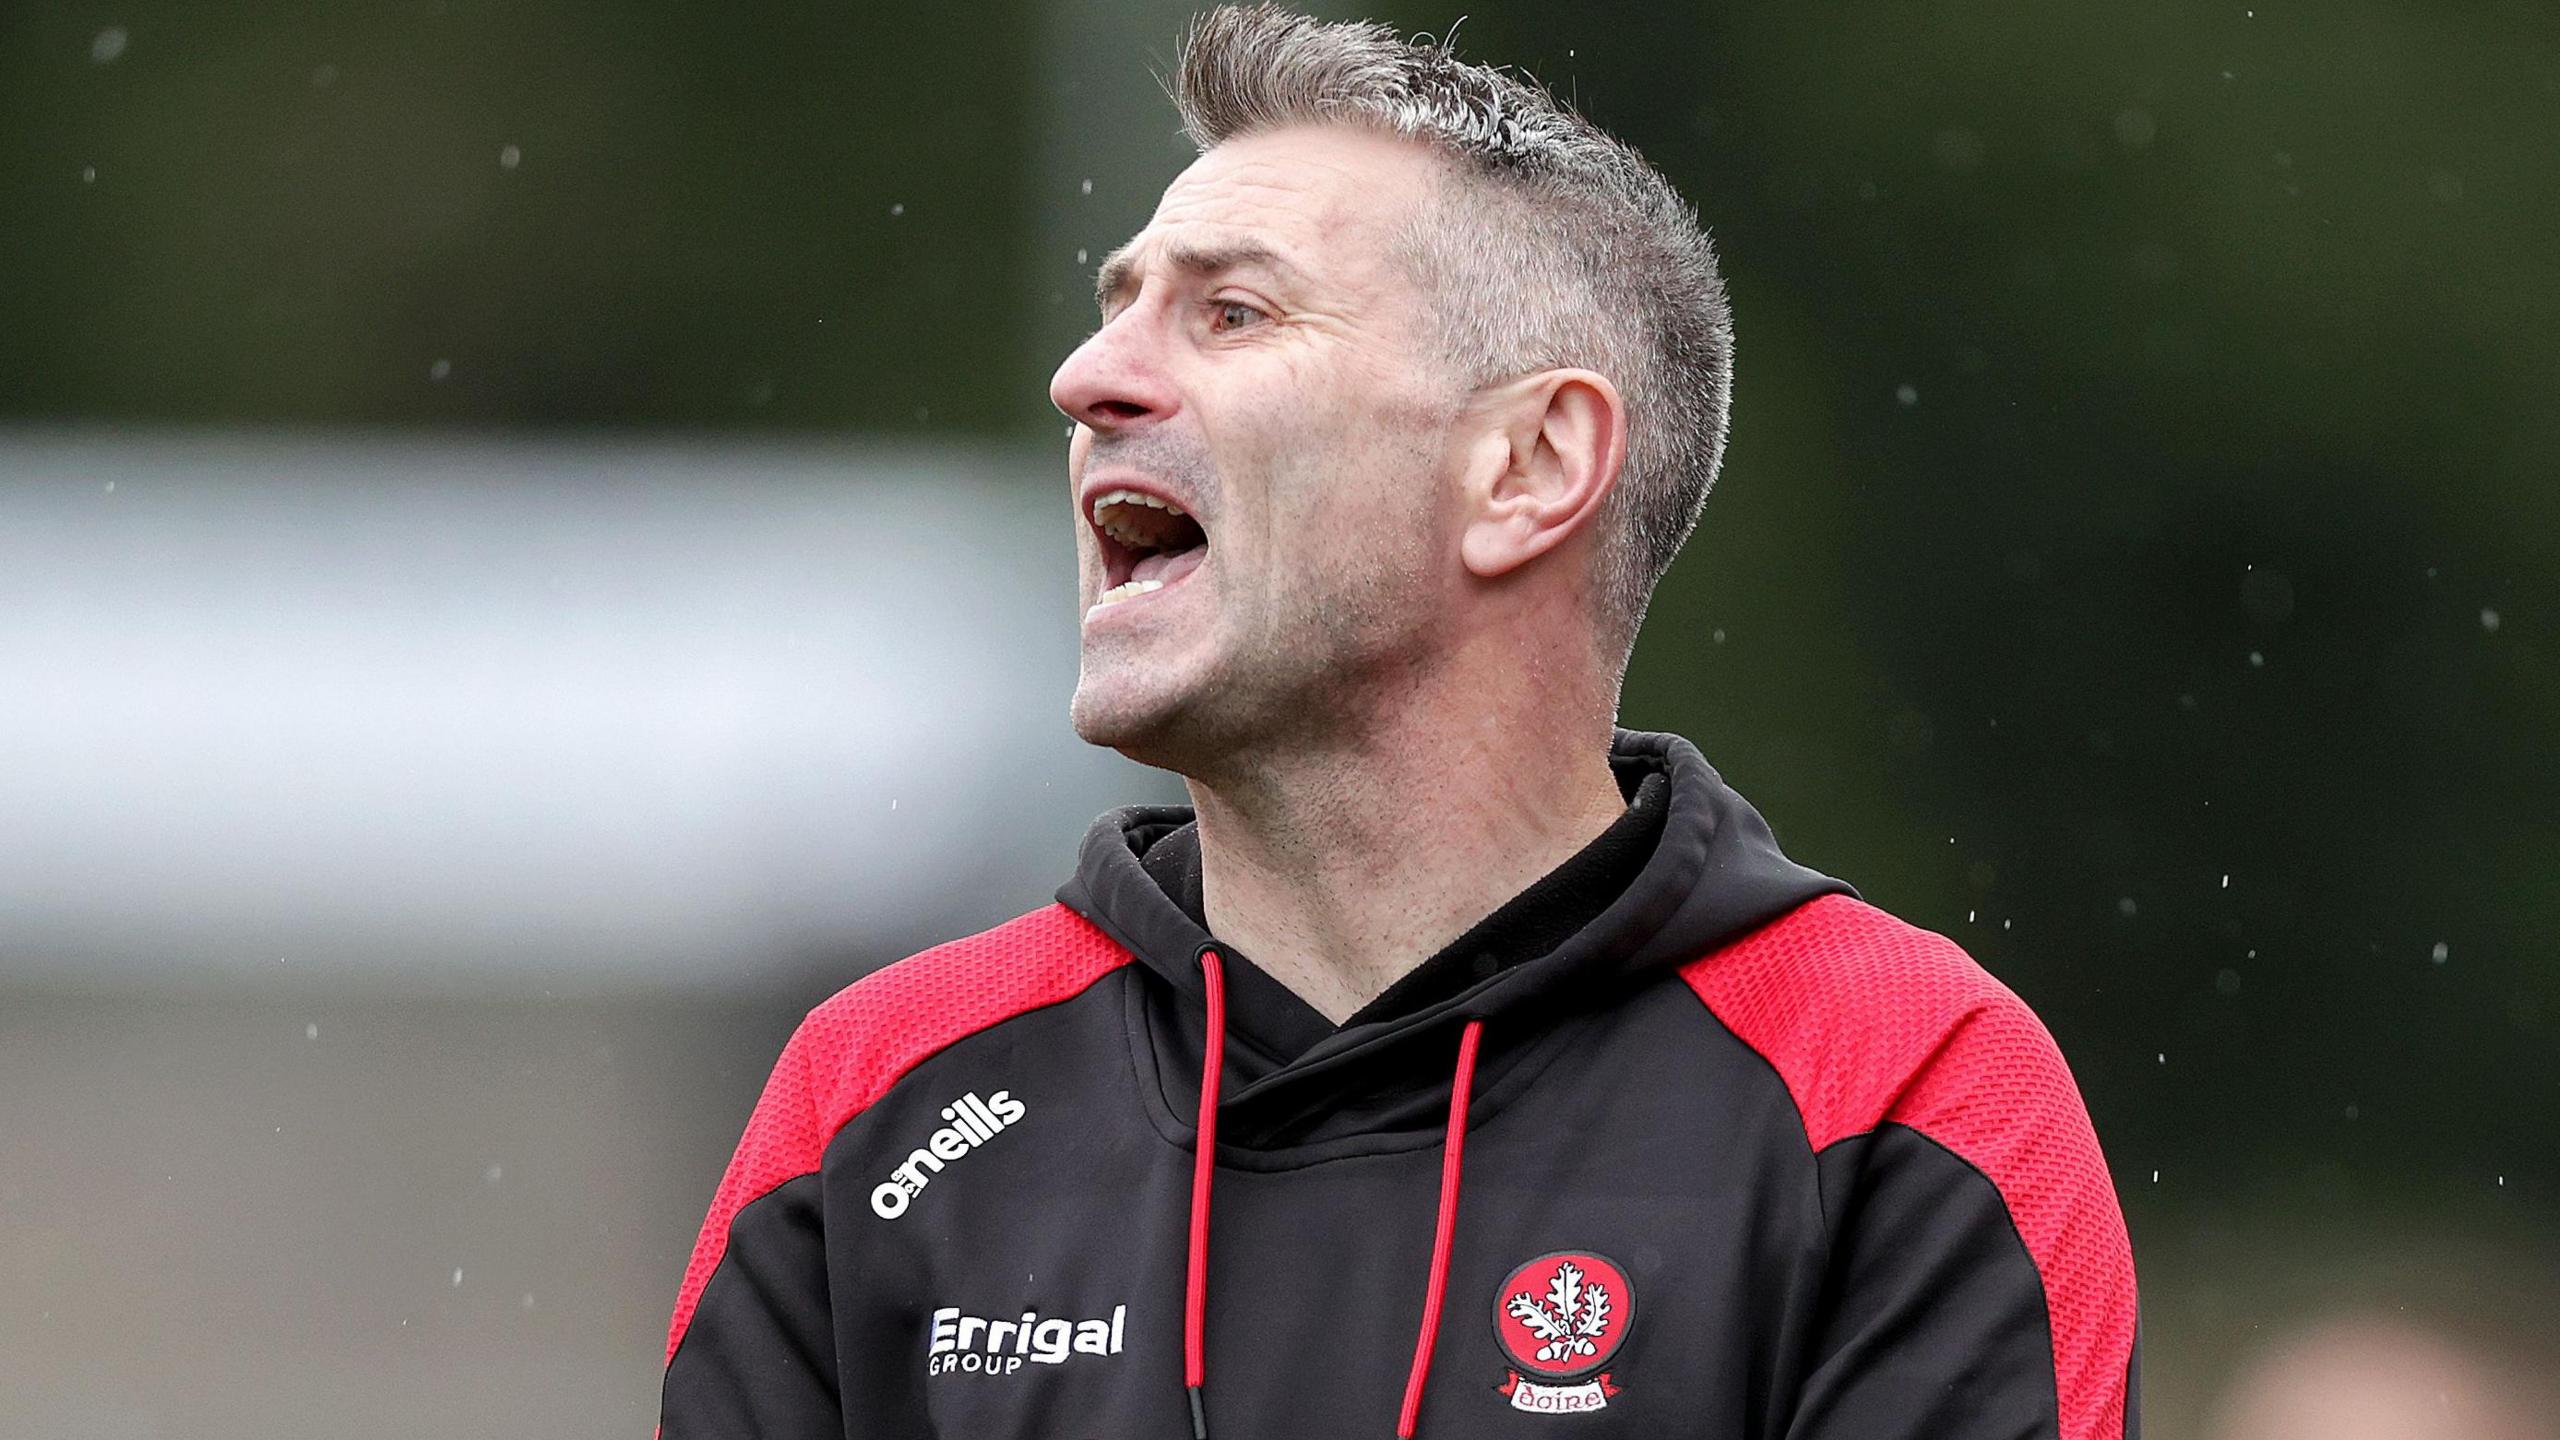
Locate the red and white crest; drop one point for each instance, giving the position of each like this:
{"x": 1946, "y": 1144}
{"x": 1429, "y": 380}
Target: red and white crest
{"x": 1561, "y": 1317}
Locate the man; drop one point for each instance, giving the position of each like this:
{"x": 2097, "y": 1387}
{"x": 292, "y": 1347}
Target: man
{"x": 1456, "y": 1062}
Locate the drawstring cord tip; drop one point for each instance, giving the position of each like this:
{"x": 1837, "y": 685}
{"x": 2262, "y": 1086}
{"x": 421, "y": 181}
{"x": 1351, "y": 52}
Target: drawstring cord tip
{"x": 1199, "y": 1417}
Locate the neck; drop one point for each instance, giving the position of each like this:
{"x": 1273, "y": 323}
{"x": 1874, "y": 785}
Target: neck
{"x": 1343, "y": 864}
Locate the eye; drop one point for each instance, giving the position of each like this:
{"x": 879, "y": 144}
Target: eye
{"x": 1233, "y": 314}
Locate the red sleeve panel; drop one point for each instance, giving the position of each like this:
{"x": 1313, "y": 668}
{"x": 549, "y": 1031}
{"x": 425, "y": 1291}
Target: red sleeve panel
{"x": 1872, "y": 1023}
{"x": 855, "y": 1046}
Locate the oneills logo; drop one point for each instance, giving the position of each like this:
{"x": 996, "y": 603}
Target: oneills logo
{"x": 1561, "y": 1317}
{"x": 973, "y": 1123}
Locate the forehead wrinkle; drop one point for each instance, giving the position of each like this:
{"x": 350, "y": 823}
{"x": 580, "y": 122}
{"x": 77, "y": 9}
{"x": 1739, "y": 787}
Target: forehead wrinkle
{"x": 1200, "y": 259}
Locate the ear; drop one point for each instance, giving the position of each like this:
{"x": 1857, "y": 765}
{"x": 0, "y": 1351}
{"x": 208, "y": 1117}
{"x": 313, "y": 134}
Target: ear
{"x": 1549, "y": 455}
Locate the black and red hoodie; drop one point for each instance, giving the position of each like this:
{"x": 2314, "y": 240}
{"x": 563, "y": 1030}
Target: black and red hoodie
{"x": 1685, "y": 1140}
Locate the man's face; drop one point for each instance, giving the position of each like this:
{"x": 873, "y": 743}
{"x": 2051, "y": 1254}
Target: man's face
{"x": 1260, "y": 370}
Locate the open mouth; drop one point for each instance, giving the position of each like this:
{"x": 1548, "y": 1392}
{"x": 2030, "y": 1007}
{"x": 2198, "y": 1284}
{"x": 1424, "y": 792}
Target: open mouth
{"x": 1147, "y": 543}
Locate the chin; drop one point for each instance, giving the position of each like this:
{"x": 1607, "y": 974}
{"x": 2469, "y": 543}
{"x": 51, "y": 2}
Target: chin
{"x": 1157, "y": 726}
{"x": 1116, "y": 717}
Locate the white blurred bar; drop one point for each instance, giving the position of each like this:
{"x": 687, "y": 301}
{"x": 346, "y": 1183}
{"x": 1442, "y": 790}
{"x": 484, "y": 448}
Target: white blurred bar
{"x": 427, "y": 713}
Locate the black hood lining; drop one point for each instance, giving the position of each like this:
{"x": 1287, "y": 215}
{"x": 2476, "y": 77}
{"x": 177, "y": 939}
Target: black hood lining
{"x": 1167, "y": 1115}
{"x": 1534, "y": 923}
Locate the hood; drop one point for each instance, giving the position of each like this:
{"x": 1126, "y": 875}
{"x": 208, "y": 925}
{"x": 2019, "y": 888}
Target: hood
{"x": 1693, "y": 867}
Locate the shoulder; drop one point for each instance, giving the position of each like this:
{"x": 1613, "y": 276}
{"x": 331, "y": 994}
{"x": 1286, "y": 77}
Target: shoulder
{"x": 1869, "y": 1019}
{"x": 859, "y": 1042}
{"x": 850, "y": 1050}
{"x": 1874, "y": 1023}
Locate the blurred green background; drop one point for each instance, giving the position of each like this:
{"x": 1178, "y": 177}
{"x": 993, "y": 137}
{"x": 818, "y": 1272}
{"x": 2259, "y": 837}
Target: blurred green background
{"x": 2137, "y": 556}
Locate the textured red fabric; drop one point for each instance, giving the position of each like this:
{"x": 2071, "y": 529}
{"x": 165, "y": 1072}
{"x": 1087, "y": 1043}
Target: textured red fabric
{"x": 852, "y": 1048}
{"x": 1869, "y": 1020}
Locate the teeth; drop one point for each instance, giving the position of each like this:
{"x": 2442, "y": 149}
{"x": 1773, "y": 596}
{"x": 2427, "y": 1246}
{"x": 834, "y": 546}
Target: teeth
{"x": 1127, "y": 590}
{"x": 1137, "y": 537}
{"x": 1142, "y": 522}
{"x": 1131, "y": 497}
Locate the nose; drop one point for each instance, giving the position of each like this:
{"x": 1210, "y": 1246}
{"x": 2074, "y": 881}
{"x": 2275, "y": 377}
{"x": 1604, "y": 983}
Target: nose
{"x": 1115, "y": 380}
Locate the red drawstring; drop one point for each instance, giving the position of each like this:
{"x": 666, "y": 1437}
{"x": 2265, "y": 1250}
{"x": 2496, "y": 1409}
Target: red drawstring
{"x": 1204, "y": 1156}
{"x": 1204, "y": 1159}
{"x": 1452, "y": 1153}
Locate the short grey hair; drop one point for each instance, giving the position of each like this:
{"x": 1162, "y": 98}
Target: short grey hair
{"x": 1556, "y": 245}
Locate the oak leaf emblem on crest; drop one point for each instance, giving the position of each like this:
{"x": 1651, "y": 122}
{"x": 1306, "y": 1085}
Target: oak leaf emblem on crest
{"x": 1570, "y": 1320}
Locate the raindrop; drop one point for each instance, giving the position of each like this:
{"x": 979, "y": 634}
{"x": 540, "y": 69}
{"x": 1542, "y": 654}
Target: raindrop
{"x": 893, "y": 804}
{"x": 1907, "y": 394}
{"x": 494, "y": 1173}
{"x": 1968, "y": 917}
{"x": 2135, "y": 127}
{"x": 2226, "y": 982}
{"x": 1080, "y": 254}
{"x": 2441, "y": 953}
{"x": 2125, "y": 906}
{"x": 111, "y": 487}
{"x": 2354, "y": 1114}
{"x": 509, "y": 157}
{"x": 528, "y": 1300}
{"x": 2489, "y": 620}
{"x": 457, "y": 1278}
{"x": 2162, "y": 1056}
{"x": 2155, "y": 1179}
{"x": 109, "y": 44}
{"x": 324, "y": 77}
{"x": 898, "y": 209}
{"x": 440, "y": 369}
{"x": 2004, "y": 924}
{"x": 1719, "y": 635}
{"x": 88, "y": 174}
{"x": 1087, "y": 187}
{"x": 311, "y": 1031}
{"x": 2257, "y": 660}
{"x": 2226, "y": 882}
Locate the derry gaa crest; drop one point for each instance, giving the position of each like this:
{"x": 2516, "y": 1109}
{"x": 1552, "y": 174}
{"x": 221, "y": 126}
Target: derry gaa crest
{"x": 1559, "y": 1318}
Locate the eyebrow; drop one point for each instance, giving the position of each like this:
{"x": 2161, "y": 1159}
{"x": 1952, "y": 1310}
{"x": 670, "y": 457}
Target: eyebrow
{"x": 1119, "y": 268}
